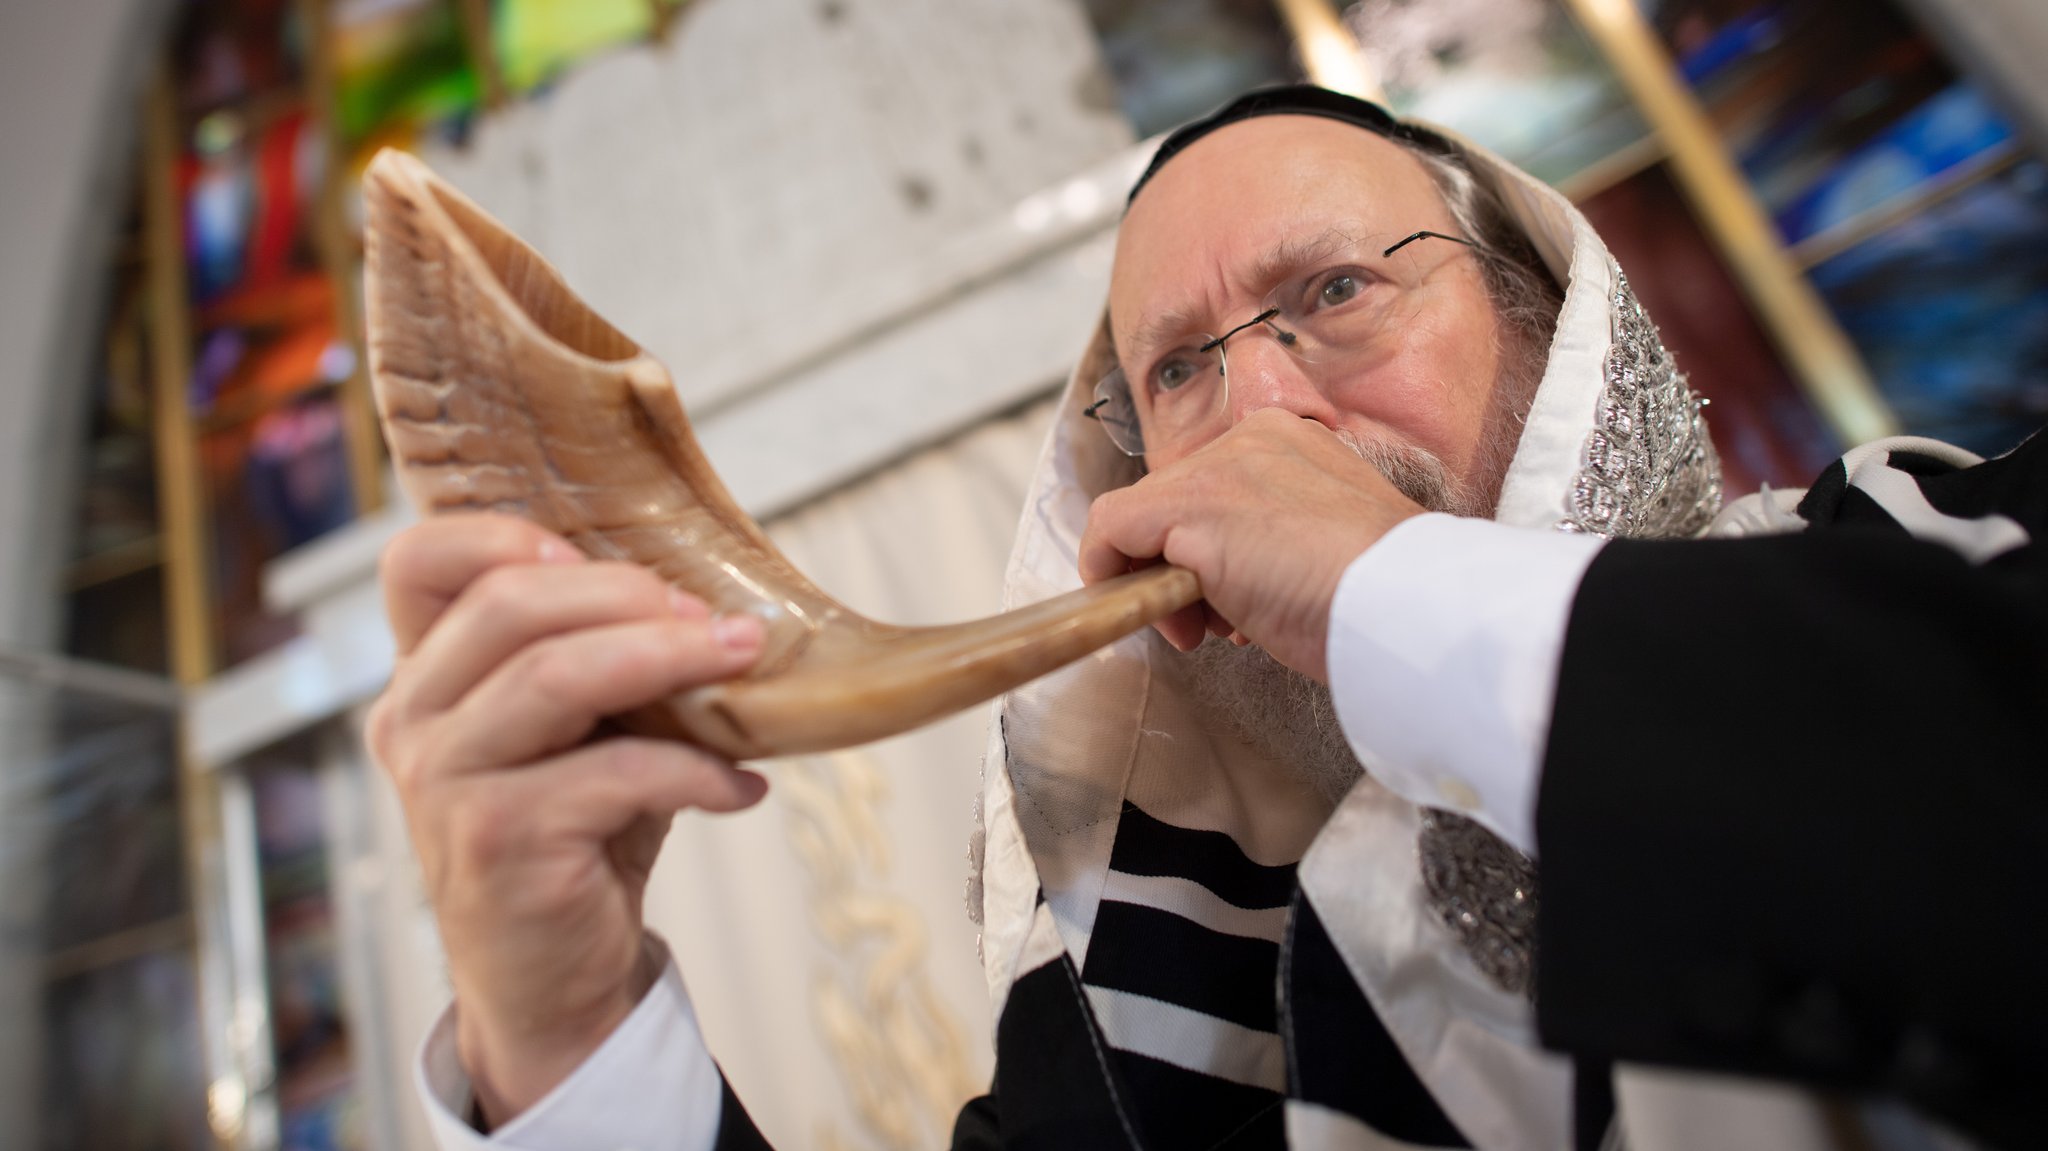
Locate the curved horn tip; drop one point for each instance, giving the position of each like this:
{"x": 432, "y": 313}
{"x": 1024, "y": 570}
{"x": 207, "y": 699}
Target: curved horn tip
{"x": 395, "y": 163}
{"x": 648, "y": 375}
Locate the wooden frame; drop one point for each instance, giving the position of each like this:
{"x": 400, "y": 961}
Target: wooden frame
{"x": 362, "y": 442}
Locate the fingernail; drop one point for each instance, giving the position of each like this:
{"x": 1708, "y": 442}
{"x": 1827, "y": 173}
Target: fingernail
{"x": 737, "y": 632}
{"x": 686, "y": 605}
{"x": 554, "y": 551}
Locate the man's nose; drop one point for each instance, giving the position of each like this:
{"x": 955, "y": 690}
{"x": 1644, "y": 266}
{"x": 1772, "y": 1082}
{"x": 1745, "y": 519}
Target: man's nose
{"x": 1264, "y": 374}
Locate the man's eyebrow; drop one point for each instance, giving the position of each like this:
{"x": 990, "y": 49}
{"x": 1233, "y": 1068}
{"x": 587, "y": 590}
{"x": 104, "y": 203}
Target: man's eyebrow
{"x": 1275, "y": 264}
{"x": 1290, "y": 256}
{"x": 1163, "y": 327}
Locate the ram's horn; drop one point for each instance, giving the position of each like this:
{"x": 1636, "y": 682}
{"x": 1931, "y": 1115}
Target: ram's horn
{"x": 500, "y": 390}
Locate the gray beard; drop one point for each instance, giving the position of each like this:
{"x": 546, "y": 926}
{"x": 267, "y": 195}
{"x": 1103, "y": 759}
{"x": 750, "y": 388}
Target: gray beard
{"x": 1270, "y": 707}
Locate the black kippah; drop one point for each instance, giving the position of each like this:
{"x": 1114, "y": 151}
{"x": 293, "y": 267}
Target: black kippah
{"x": 1292, "y": 100}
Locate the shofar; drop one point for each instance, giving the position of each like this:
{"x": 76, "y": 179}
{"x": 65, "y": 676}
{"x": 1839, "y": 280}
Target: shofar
{"x": 501, "y": 391}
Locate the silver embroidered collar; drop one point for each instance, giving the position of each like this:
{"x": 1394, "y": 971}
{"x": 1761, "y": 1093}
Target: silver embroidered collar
{"x": 1649, "y": 468}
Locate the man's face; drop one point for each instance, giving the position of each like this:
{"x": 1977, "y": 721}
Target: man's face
{"x": 1255, "y": 204}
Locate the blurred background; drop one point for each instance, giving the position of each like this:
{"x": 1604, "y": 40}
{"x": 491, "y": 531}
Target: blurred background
{"x": 868, "y": 236}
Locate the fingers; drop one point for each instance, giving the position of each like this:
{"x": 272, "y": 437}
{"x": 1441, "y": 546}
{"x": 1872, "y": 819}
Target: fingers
{"x": 1223, "y": 628}
{"x": 595, "y": 792}
{"x": 498, "y": 839}
{"x": 429, "y": 564}
{"x": 1127, "y": 530}
{"x": 505, "y": 609}
{"x": 1103, "y": 553}
{"x": 1124, "y": 528}
{"x": 1184, "y": 629}
{"x": 552, "y": 694}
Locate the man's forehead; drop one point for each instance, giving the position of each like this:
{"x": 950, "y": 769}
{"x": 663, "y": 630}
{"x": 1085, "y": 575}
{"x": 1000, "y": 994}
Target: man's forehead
{"x": 1260, "y": 167}
{"x": 1306, "y": 136}
{"x": 1247, "y": 204}
{"x": 1170, "y": 314}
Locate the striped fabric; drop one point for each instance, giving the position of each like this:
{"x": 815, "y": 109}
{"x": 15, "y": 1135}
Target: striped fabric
{"x": 1206, "y": 974}
{"x": 1181, "y": 977}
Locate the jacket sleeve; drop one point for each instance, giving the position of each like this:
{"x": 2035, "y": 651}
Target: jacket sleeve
{"x": 1793, "y": 801}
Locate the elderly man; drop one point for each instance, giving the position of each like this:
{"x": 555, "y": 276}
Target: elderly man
{"x": 1336, "y": 347}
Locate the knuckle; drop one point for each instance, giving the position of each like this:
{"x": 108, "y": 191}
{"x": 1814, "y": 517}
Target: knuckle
{"x": 482, "y": 831}
{"x": 405, "y": 557}
{"x": 498, "y": 592}
{"x": 407, "y": 767}
{"x": 397, "y": 744}
{"x": 380, "y": 729}
{"x": 564, "y": 674}
{"x": 623, "y": 760}
{"x": 549, "y": 672}
{"x": 1103, "y": 508}
{"x": 413, "y": 753}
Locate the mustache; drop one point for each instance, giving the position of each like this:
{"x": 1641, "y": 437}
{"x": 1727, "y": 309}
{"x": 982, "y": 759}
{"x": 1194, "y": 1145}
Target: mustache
{"x": 1415, "y": 472}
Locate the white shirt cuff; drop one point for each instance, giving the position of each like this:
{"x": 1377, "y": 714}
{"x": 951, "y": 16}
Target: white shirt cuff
{"x": 1443, "y": 650}
{"x": 651, "y": 1086}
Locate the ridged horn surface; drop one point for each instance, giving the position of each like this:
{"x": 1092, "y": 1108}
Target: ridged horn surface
{"x": 501, "y": 391}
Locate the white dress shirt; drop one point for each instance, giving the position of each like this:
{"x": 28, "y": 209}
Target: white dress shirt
{"x": 1443, "y": 651}
{"x": 651, "y": 1086}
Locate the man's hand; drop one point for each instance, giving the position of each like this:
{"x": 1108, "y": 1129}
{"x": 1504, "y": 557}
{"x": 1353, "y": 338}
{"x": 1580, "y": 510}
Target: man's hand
{"x": 1268, "y": 516}
{"x": 536, "y": 830}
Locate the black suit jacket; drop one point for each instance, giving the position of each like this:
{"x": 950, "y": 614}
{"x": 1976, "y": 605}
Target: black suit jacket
{"x": 1793, "y": 819}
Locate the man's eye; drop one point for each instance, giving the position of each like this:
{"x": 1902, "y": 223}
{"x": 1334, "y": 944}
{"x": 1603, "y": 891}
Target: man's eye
{"x": 1336, "y": 290}
{"x": 1174, "y": 373}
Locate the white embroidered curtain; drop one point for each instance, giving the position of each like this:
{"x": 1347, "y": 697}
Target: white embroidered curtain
{"x": 823, "y": 934}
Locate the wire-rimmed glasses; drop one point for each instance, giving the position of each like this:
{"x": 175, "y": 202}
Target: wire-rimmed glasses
{"x": 1332, "y": 317}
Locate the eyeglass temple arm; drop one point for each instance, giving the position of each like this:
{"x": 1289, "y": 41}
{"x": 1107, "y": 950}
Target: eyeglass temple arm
{"x": 1254, "y": 322}
{"x": 1427, "y": 235}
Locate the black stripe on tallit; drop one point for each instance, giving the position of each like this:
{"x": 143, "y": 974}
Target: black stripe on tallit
{"x": 1145, "y": 846}
{"x": 1053, "y": 1071}
{"x": 1156, "y": 953}
{"x": 1181, "y": 1109}
{"x": 1592, "y": 1103}
{"x": 1339, "y": 1054}
{"x": 2013, "y": 485}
